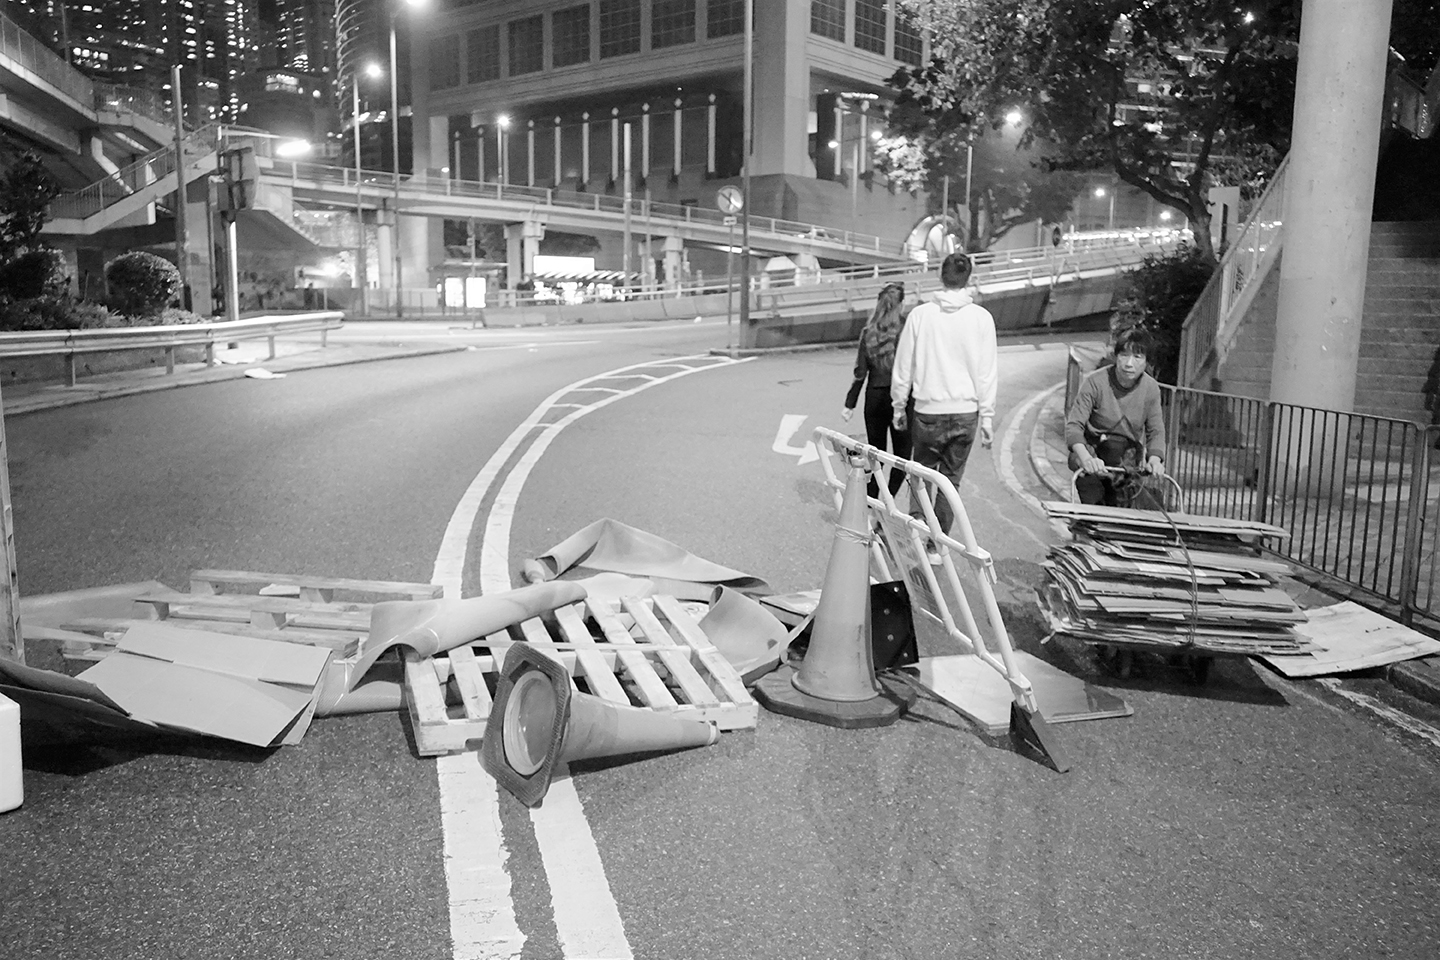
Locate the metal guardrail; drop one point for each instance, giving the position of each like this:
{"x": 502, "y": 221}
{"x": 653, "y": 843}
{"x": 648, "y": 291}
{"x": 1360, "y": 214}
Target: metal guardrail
{"x": 1356, "y": 492}
{"x": 71, "y": 343}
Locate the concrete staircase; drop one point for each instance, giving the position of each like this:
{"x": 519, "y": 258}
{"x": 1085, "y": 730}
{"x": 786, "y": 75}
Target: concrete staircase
{"x": 1399, "y": 367}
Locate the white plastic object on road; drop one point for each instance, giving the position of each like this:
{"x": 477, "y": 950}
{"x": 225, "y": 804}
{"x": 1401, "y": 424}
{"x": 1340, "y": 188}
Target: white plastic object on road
{"x": 12, "y": 787}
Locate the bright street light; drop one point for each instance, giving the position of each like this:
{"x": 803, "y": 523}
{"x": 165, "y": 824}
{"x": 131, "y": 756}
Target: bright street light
{"x": 1099, "y": 191}
{"x": 1014, "y": 117}
{"x": 293, "y": 148}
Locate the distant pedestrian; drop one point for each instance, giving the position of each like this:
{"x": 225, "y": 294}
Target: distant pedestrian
{"x": 946, "y": 364}
{"x": 873, "y": 362}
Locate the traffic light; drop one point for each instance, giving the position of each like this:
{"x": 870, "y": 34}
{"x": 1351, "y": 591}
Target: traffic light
{"x": 241, "y": 172}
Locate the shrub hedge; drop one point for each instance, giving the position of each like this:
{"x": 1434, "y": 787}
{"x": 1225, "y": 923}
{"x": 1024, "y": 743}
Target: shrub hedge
{"x": 141, "y": 284}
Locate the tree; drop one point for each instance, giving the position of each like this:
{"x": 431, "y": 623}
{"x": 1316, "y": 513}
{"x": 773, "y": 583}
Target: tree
{"x": 1010, "y": 182}
{"x": 26, "y": 190}
{"x": 1173, "y": 96}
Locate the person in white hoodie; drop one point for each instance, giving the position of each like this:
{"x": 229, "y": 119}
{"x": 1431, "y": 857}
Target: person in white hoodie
{"x": 946, "y": 360}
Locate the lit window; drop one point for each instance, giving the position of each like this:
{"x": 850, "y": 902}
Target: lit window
{"x": 483, "y": 47}
{"x": 827, "y": 19}
{"x": 870, "y": 25}
{"x": 570, "y": 35}
{"x": 724, "y": 18}
{"x": 672, "y": 22}
{"x": 909, "y": 46}
{"x": 619, "y": 27}
{"x": 527, "y": 45}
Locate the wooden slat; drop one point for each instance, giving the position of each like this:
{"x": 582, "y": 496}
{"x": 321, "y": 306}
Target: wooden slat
{"x": 652, "y": 690}
{"x": 689, "y": 631}
{"x": 597, "y": 673}
{"x": 206, "y": 581}
{"x": 344, "y": 644}
{"x": 676, "y": 660}
{"x": 474, "y": 694}
{"x": 264, "y": 612}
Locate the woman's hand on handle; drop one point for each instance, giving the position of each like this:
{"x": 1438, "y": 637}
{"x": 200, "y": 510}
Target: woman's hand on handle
{"x": 846, "y": 413}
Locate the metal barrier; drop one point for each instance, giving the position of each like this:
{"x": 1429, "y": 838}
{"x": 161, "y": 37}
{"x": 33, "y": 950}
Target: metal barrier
{"x": 71, "y": 343}
{"x": 939, "y": 600}
{"x": 1354, "y": 491}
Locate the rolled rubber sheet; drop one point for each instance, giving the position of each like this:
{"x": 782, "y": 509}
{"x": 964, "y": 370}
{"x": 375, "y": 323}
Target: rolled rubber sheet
{"x": 611, "y": 546}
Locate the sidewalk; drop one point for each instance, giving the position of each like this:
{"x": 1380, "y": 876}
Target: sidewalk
{"x": 232, "y": 364}
{"x": 1048, "y": 478}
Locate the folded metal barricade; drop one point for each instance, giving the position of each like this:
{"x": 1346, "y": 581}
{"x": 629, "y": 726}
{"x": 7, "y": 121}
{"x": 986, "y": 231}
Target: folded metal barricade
{"x": 938, "y": 597}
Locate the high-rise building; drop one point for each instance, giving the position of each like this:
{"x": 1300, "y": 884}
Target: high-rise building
{"x": 136, "y": 43}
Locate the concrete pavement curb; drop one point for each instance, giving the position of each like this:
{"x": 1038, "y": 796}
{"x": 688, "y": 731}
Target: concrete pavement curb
{"x": 31, "y": 398}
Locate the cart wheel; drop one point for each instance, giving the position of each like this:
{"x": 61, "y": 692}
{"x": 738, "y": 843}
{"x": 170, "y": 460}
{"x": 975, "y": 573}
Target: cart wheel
{"x": 1198, "y": 669}
{"x": 1105, "y": 654}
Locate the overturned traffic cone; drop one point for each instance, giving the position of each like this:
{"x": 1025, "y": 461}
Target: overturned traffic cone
{"x": 836, "y": 683}
{"x": 537, "y": 721}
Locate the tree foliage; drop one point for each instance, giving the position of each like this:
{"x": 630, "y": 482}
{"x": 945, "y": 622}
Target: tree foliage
{"x": 26, "y": 190}
{"x": 1172, "y": 96}
{"x": 1010, "y": 182}
{"x": 1158, "y": 295}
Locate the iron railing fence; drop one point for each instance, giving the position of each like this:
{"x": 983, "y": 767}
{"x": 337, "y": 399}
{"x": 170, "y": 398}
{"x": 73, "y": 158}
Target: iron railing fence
{"x": 1354, "y": 491}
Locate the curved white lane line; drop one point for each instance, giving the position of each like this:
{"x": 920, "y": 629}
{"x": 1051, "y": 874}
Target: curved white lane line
{"x": 587, "y": 919}
{"x": 482, "y": 914}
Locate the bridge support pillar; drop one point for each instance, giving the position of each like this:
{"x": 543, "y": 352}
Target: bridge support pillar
{"x": 1329, "y": 199}
{"x": 674, "y": 248}
{"x": 522, "y": 242}
{"x": 415, "y": 236}
{"x": 385, "y": 252}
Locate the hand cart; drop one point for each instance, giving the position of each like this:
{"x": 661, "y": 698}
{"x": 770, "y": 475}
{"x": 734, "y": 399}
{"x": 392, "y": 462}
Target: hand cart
{"x": 1118, "y": 656}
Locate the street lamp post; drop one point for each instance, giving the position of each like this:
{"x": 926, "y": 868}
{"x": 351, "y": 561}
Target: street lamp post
{"x": 362, "y": 267}
{"x": 395, "y": 154}
{"x": 747, "y": 84}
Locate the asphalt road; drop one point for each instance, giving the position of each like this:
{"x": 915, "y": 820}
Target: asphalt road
{"x": 1247, "y": 818}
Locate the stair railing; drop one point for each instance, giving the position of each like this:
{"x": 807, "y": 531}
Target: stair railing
{"x": 131, "y": 178}
{"x": 1211, "y": 326}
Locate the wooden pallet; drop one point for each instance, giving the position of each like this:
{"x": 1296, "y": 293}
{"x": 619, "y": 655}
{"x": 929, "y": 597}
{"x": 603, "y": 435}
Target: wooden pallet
{"x": 310, "y": 614}
{"x": 673, "y": 669}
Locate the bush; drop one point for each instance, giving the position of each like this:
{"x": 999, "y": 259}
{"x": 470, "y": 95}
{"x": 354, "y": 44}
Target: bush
{"x": 141, "y": 284}
{"x": 1158, "y": 295}
{"x": 34, "y": 273}
{"x": 38, "y": 313}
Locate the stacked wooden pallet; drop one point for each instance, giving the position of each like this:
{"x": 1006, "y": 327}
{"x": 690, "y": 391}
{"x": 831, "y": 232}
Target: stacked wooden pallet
{"x": 650, "y": 653}
{"x": 319, "y": 611}
{"x": 1146, "y": 579}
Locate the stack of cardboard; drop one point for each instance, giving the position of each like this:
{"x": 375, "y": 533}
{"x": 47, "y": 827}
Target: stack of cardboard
{"x": 1144, "y": 578}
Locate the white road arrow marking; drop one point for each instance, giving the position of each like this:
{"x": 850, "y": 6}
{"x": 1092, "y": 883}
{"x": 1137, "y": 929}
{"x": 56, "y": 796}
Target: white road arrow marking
{"x": 790, "y": 424}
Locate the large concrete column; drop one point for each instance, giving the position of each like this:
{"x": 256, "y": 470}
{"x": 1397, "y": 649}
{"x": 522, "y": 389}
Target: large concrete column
{"x": 674, "y": 249}
{"x": 415, "y": 236}
{"x": 1329, "y": 196}
{"x": 522, "y": 242}
{"x": 782, "y": 88}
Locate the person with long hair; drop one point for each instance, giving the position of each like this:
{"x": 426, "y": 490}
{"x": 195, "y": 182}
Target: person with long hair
{"x": 874, "y": 361}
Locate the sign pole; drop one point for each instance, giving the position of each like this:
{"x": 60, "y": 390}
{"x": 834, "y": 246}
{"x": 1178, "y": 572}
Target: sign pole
{"x": 730, "y": 285}
{"x": 12, "y": 641}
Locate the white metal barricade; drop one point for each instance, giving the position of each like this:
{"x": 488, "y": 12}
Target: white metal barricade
{"x": 992, "y": 646}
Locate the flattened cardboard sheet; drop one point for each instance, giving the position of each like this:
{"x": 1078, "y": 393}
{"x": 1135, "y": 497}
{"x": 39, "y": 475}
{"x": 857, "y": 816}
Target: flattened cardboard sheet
{"x": 1346, "y": 636}
{"x": 64, "y": 710}
{"x": 199, "y": 701}
{"x": 294, "y": 664}
{"x": 982, "y": 694}
{"x": 61, "y": 684}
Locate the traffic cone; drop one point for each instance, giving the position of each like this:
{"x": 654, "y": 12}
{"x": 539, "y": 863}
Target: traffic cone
{"x": 836, "y": 682}
{"x": 537, "y": 721}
